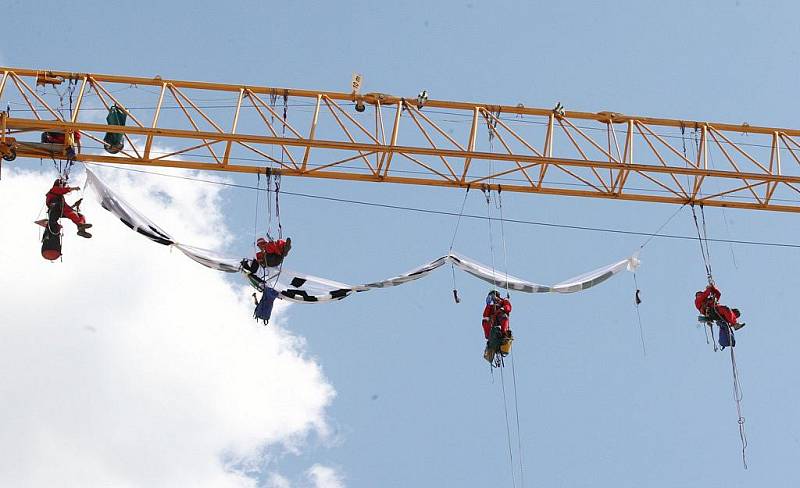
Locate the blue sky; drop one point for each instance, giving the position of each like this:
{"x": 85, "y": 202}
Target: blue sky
{"x": 415, "y": 401}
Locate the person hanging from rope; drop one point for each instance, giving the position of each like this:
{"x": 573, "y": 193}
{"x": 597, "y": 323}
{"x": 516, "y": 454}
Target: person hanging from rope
{"x": 727, "y": 319}
{"x": 496, "y": 325}
{"x": 71, "y": 141}
{"x": 58, "y": 208}
{"x": 270, "y": 254}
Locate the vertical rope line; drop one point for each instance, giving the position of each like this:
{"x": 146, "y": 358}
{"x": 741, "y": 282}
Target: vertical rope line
{"x": 503, "y": 237}
{"x": 508, "y": 429}
{"x": 255, "y": 221}
{"x": 452, "y": 243}
{"x": 458, "y": 222}
{"x": 269, "y": 205}
{"x": 519, "y": 433}
{"x": 737, "y": 396}
{"x": 724, "y": 213}
{"x": 638, "y": 314}
{"x": 706, "y": 259}
{"x": 488, "y": 194}
{"x": 278, "y": 205}
{"x": 705, "y": 237}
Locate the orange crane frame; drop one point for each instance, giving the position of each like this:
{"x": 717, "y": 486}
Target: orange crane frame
{"x": 631, "y": 148}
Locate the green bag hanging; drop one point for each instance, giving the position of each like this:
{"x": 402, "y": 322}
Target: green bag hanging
{"x": 113, "y": 141}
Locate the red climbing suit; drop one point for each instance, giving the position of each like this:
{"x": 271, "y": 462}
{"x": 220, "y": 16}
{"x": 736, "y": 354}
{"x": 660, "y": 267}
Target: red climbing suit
{"x": 272, "y": 252}
{"x": 496, "y": 312}
{"x": 58, "y": 191}
{"x": 708, "y": 300}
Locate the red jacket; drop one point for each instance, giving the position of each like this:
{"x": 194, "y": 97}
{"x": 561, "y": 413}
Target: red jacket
{"x": 726, "y": 314}
{"x": 710, "y": 298}
{"x": 496, "y": 314}
{"x": 705, "y": 298}
{"x": 497, "y": 310}
{"x": 277, "y": 247}
{"x": 56, "y": 192}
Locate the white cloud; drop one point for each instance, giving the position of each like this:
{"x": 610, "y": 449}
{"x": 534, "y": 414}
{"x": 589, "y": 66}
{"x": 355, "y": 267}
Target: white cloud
{"x": 275, "y": 480}
{"x": 128, "y": 365}
{"x": 324, "y": 477}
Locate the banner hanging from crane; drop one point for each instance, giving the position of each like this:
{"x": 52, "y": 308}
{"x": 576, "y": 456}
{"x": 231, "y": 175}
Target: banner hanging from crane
{"x": 303, "y": 288}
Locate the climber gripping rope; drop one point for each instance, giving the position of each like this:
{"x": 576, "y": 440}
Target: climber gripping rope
{"x": 270, "y": 254}
{"x": 58, "y": 208}
{"x": 711, "y": 311}
{"x": 495, "y": 326}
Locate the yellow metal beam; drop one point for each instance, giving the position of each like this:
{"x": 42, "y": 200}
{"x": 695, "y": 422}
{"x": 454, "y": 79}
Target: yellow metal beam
{"x": 650, "y": 168}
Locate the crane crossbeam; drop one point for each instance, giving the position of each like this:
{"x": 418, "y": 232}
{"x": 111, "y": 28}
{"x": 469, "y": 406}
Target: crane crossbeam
{"x": 383, "y": 138}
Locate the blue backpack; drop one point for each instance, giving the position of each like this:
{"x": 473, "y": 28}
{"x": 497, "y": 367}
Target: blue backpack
{"x": 264, "y": 308}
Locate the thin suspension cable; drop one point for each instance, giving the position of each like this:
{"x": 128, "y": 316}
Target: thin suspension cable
{"x": 503, "y": 237}
{"x": 508, "y": 428}
{"x": 706, "y": 259}
{"x": 519, "y": 432}
{"x": 705, "y": 237}
{"x": 458, "y": 222}
{"x": 737, "y": 396}
{"x": 452, "y": 243}
{"x": 656, "y": 233}
{"x": 506, "y": 178}
{"x": 488, "y": 195}
{"x": 471, "y": 216}
{"x": 636, "y": 302}
{"x": 255, "y": 222}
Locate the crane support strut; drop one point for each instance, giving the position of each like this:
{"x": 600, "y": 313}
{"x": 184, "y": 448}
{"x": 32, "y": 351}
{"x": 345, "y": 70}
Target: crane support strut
{"x": 604, "y": 155}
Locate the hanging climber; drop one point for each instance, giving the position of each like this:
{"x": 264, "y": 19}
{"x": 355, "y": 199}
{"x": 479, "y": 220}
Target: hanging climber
{"x": 71, "y": 142}
{"x": 495, "y": 325}
{"x": 58, "y": 208}
{"x": 727, "y": 319}
{"x": 270, "y": 254}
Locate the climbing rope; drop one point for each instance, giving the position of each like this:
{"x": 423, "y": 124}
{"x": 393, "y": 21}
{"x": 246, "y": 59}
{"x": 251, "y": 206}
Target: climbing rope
{"x": 637, "y": 300}
{"x": 503, "y": 236}
{"x": 452, "y": 243}
{"x": 702, "y": 237}
{"x": 487, "y": 194}
{"x": 277, "y": 180}
{"x": 255, "y": 221}
{"x": 269, "y": 203}
{"x": 519, "y": 433}
{"x": 724, "y": 212}
{"x": 508, "y": 427}
{"x": 737, "y": 396}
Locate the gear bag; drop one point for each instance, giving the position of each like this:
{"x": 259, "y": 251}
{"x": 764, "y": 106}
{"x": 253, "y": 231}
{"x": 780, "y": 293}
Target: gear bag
{"x": 264, "y": 308}
{"x": 726, "y": 338}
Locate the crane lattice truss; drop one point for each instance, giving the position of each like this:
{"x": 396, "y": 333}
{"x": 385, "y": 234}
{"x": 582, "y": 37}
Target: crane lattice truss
{"x": 383, "y": 138}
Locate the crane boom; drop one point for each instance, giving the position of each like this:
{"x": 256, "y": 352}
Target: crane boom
{"x": 318, "y": 134}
